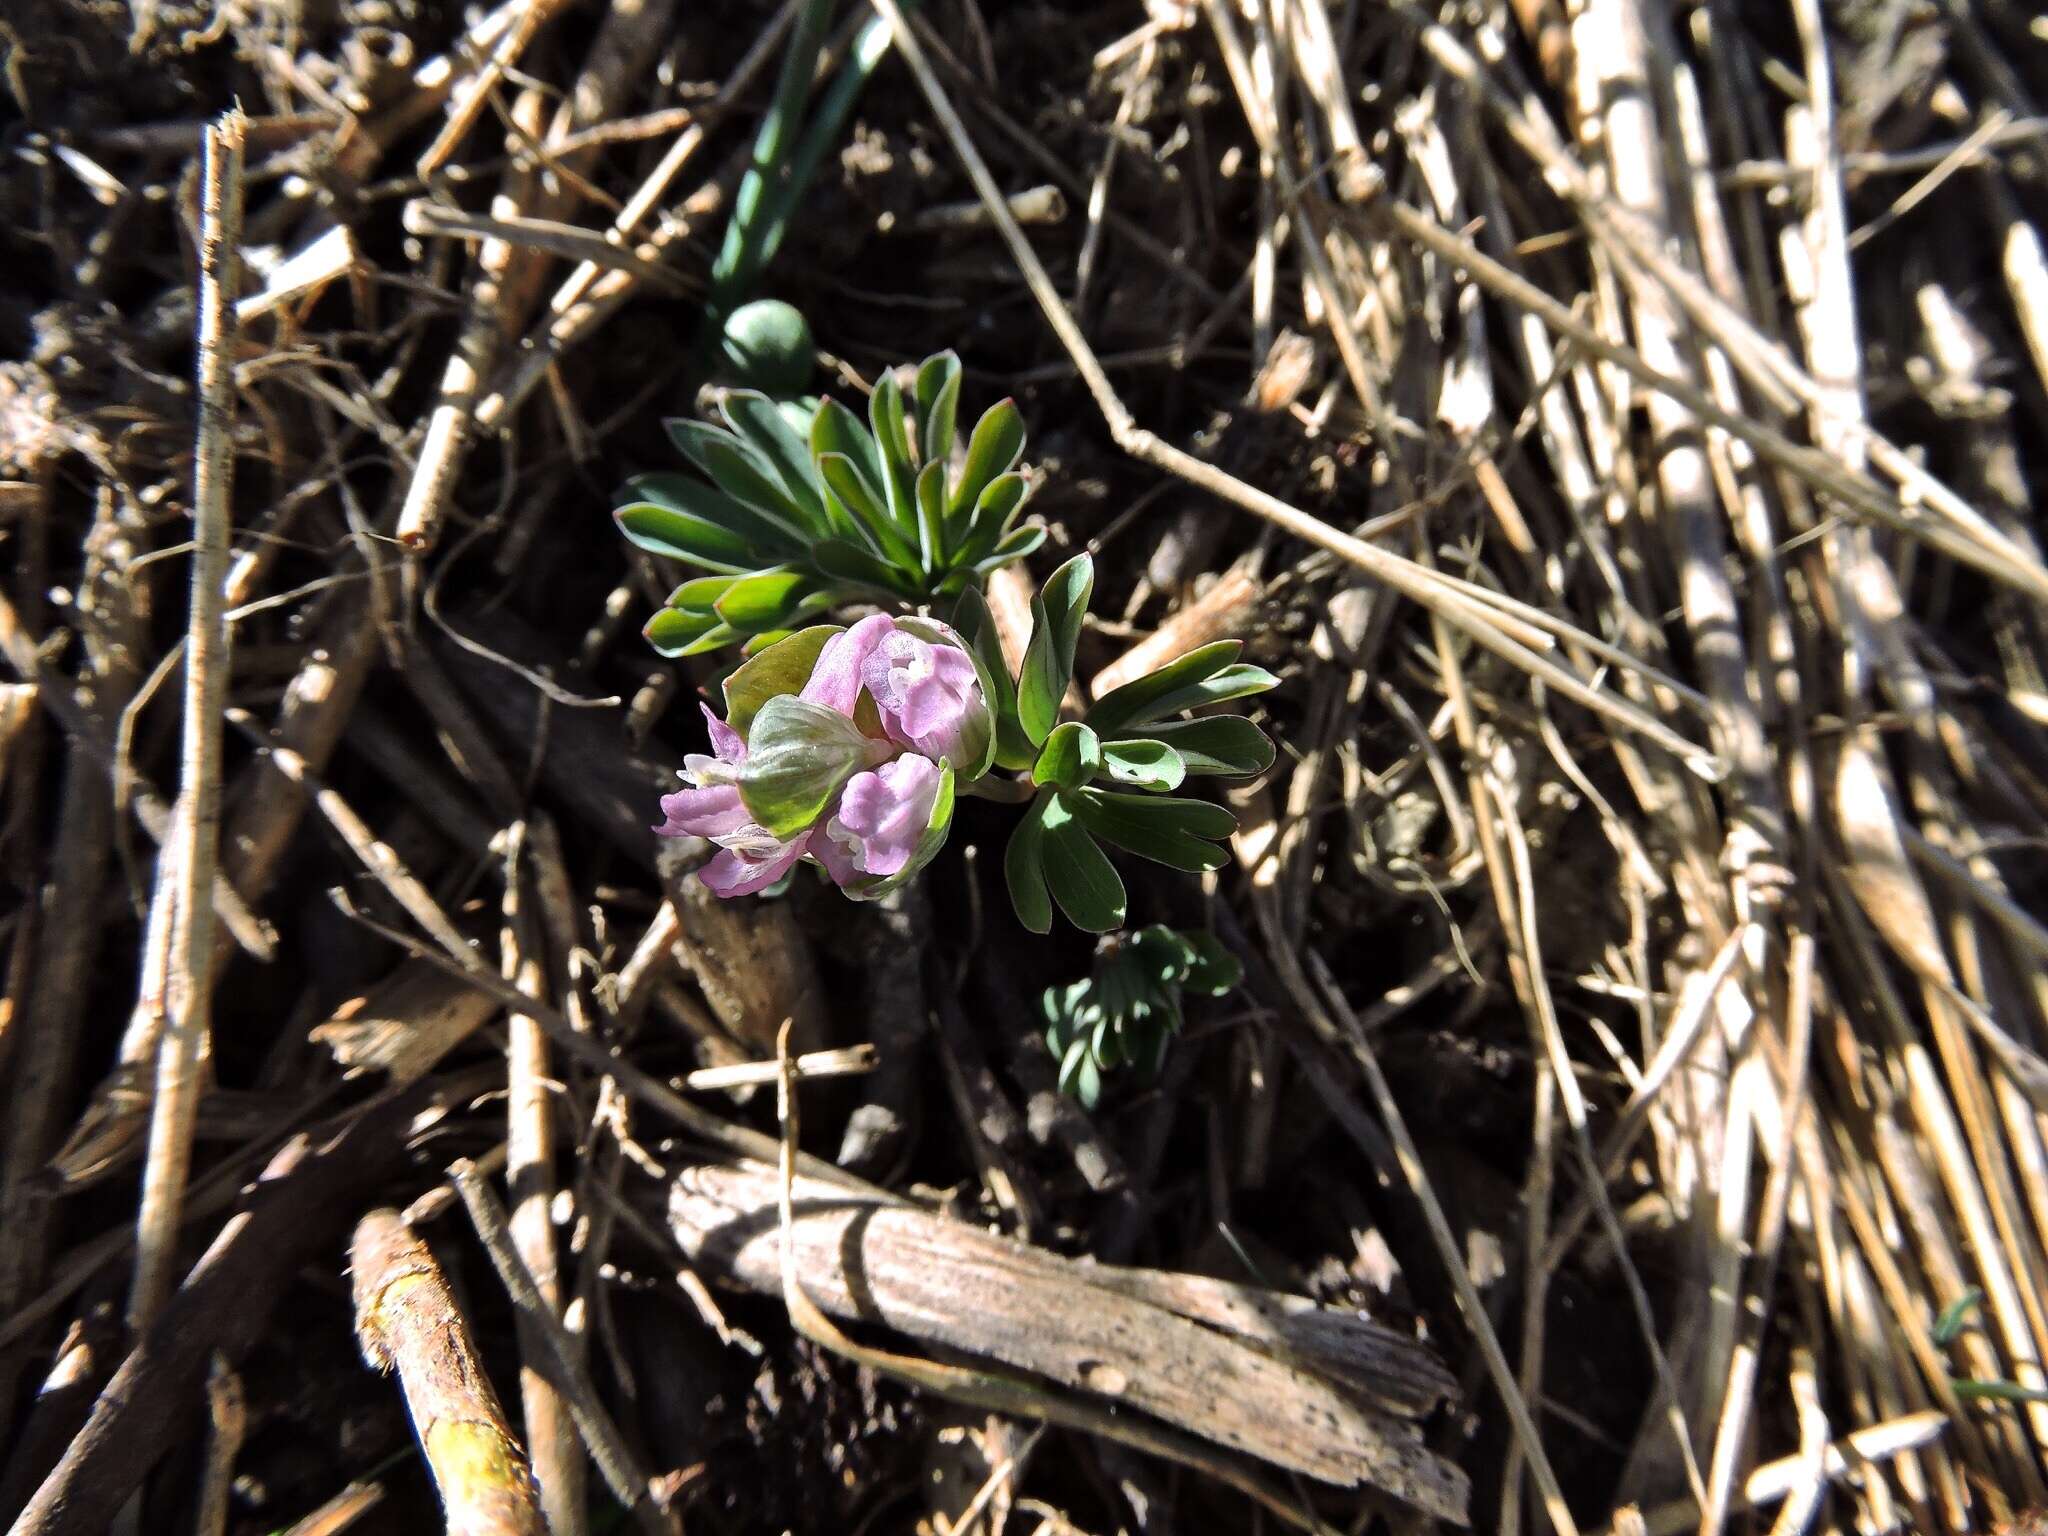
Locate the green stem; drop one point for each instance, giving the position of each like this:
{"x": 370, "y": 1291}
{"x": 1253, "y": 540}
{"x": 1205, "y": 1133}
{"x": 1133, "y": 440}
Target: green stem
{"x": 739, "y": 258}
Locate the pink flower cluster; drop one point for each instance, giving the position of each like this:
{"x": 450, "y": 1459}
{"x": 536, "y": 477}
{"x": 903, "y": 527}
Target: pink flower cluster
{"x": 926, "y": 705}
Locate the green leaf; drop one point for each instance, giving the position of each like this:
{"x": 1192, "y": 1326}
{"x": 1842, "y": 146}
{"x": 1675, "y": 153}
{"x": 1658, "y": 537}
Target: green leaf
{"x": 754, "y": 417}
{"x": 1056, "y": 614}
{"x": 990, "y": 517}
{"x": 1082, "y": 880}
{"x": 800, "y": 755}
{"x": 1176, "y": 833}
{"x": 739, "y": 471}
{"x": 664, "y": 531}
{"x": 857, "y": 563}
{"x": 781, "y": 668}
{"x": 1149, "y": 765}
{"x": 931, "y": 516}
{"x": 938, "y": 403}
{"x": 1215, "y": 971}
{"x": 769, "y": 538}
{"x": 1072, "y": 755}
{"x": 711, "y": 640}
{"x": 671, "y": 631}
{"x": 700, "y": 595}
{"x": 1079, "y": 1076}
{"x": 1113, "y": 714}
{"x": 876, "y": 523}
{"x": 835, "y": 429}
{"x": 1016, "y": 544}
{"x": 765, "y": 599}
{"x": 993, "y": 449}
{"x": 976, "y": 627}
{"x": 1136, "y": 702}
{"x": 1218, "y": 744}
{"x": 1949, "y": 1325}
{"x": 892, "y": 438}
{"x": 1024, "y": 868}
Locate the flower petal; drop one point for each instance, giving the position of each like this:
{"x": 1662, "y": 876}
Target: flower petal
{"x": 713, "y": 812}
{"x": 725, "y": 741}
{"x": 835, "y": 680}
{"x": 928, "y": 696}
{"x": 883, "y": 814}
{"x": 732, "y": 873}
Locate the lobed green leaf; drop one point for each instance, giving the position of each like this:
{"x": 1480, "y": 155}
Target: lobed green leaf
{"x": 1176, "y": 833}
{"x": 1072, "y": 756}
{"x": 876, "y": 524}
{"x": 1217, "y": 744}
{"x": 938, "y": 405}
{"x": 1056, "y": 614}
{"x": 1015, "y": 545}
{"x": 756, "y": 421}
{"x": 1078, "y": 873}
{"x": 1240, "y": 680}
{"x": 765, "y": 599}
{"x": 672, "y": 631}
{"x": 892, "y": 439}
{"x": 990, "y": 517}
{"x": 1149, "y": 765}
{"x": 856, "y": 563}
{"x": 700, "y": 594}
{"x": 992, "y": 449}
{"x": 1215, "y": 970}
{"x": 931, "y": 516}
{"x": 769, "y": 538}
{"x": 664, "y": 531}
{"x": 1024, "y": 868}
{"x": 1137, "y": 701}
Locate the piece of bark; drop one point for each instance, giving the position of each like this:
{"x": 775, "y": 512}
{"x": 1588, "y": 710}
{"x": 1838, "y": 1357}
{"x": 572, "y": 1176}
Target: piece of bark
{"x": 750, "y": 958}
{"x": 406, "y": 1023}
{"x": 943, "y": 1283}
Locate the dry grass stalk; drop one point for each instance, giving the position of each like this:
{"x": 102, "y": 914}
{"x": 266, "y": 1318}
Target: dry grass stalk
{"x": 530, "y": 1173}
{"x": 408, "y": 1321}
{"x": 189, "y": 985}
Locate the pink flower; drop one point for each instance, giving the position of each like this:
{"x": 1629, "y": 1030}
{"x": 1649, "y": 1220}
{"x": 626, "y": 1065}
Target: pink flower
{"x": 928, "y": 695}
{"x": 857, "y": 800}
{"x": 749, "y": 858}
{"x": 882, "y": 817}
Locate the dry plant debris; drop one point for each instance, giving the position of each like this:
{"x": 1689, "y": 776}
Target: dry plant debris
{"x": 1620, "y": 428}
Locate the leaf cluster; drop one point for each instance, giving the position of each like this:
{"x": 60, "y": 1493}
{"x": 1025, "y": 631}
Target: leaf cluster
{"x": 1110, "y": 776}
{"x": 799, "y": 507}
{"x": 1128, "y": 1009}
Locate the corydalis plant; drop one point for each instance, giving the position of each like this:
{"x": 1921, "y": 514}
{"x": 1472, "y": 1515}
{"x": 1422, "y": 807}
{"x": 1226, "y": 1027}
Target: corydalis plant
{"x": 1127, "y": 1010}
{"x": 804, "y": 508}
{"x": 845, "y": 748}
